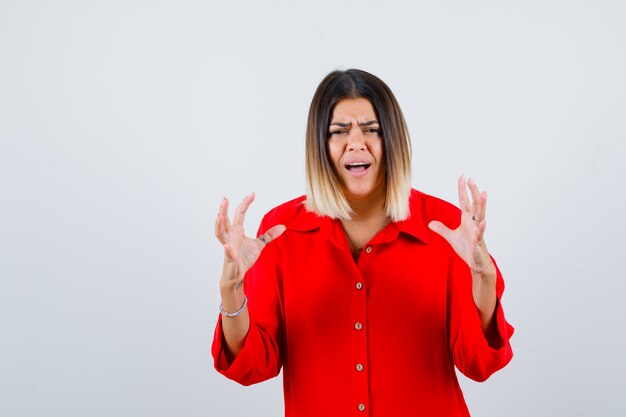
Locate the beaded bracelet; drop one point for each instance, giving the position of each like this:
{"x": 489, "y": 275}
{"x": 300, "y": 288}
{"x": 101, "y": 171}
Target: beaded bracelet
{"x": 236, "y": 313}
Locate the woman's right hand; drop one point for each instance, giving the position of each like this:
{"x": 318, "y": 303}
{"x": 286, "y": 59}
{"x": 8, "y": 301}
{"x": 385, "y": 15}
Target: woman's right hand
{"x": 240, "y": 251}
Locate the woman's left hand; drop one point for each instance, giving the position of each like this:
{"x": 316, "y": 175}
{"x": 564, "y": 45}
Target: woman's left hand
{"x": 467, "y": 241}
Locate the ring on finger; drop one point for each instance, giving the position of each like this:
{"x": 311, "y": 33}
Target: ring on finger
{"x": 263, "y": 239}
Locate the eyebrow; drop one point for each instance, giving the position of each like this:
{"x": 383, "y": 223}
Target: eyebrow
{"x": 368, "y": 123}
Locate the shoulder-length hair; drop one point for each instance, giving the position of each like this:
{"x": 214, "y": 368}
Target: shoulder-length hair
{"x": 324, "y": 194}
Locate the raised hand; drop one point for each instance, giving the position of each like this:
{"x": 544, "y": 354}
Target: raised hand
{"x": 240, "y": 251}
{"x": 467, "y": 240}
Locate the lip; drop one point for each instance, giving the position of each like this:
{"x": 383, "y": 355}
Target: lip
{"x": 356, "y": 161}
{"x": 357, "y": 174}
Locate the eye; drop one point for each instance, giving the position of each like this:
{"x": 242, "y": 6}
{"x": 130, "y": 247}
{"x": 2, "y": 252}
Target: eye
{"x": 372, "y": 130}
{"x": 336, "y": 132}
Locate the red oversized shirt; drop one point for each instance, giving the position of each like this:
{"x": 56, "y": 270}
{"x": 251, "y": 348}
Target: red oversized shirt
{"x": 379, "y": 337}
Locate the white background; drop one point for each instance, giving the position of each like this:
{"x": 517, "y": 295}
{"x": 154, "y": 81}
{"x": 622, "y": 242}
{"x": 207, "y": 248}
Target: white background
{"x": 123, "y": 123}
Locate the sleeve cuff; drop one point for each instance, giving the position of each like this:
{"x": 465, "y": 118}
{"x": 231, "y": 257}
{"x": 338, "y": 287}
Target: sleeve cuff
{"x": 249, "y": 366}
{"x": 223, "y": 362}
{"x": 499, "y": 332}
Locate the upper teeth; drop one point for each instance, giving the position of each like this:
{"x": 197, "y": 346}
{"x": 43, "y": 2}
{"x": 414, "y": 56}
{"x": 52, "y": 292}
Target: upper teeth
{"x": 356, "y": 164}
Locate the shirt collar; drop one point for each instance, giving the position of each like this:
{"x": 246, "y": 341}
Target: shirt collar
{"x": 414, "y": 226}
{"x": 308, "y": 221}
{"x": 305, "y": 220}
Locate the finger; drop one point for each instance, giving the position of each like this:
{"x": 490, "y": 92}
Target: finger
{"x": 476, "y": 200}
{"x": 223, "y": 211}
{"x": 272, "y": 233}
{"x": 221, "y": 221}
{"x": 240, "y": 212}
{"x": 441, "y": 229}
{"x": 220, "y": 228}
{"x": 480, "y": 232}
{"x": 463, "y": 197}
{"x": 483, "y": 205}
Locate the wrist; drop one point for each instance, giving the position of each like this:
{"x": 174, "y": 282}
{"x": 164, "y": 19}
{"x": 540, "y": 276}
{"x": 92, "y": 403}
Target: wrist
{"x": 232, "y": 297}
{"x": 231, "y": 282}
{"x": 485, "y": 274}
{"x": 231, "y": 290}
{"x": 485, "y": 268}
{"x": 234, "y": 313}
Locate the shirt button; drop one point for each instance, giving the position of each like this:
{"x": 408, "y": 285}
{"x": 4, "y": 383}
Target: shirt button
{"x": 361, "y": 407}
{"x": 359, "y": 367}
{"x": 358, "y": 325}
{"x": 359, "y": 285}
{"x": 368, "y": 249}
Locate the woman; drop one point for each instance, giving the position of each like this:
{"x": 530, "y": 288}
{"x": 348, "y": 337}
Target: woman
{"x": 366, "y": 292}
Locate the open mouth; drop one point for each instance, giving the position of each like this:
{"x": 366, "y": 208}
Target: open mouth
{"x": 357, "y": 166}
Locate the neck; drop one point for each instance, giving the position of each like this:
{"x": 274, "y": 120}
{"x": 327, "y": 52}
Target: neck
{"x": 368, "y": 220}
{"x": 370, "y": 207}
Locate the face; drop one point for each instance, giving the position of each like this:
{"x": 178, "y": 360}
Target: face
{"x": 355, "y": 146}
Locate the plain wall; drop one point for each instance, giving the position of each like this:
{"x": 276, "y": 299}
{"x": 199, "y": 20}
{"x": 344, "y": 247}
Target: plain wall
{"x": 123, "y": 123}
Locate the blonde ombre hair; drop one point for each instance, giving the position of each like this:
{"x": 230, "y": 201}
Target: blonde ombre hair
{"x": 324, "y": 195}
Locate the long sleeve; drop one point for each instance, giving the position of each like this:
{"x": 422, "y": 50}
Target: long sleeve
{"x": 260, "y": 358}
{"x": 476, "y": 354}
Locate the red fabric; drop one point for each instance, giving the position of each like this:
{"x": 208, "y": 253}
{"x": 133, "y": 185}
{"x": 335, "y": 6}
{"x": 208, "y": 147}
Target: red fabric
{"x": 415, "y": 307}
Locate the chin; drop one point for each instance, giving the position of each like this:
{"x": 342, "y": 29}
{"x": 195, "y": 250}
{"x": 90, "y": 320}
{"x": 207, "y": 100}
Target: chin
{"x": 358, "y": 192}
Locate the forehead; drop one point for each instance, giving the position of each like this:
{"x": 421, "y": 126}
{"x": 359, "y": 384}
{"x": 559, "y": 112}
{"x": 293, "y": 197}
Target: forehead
{"x": 359, "y": 109}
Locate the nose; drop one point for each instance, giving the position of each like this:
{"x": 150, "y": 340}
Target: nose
{"x": 356, "y": 140}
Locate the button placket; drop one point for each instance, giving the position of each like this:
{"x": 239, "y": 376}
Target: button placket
{"x": 359, "y": 345}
